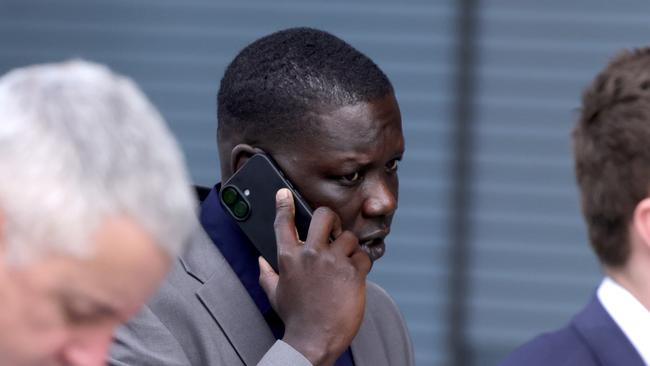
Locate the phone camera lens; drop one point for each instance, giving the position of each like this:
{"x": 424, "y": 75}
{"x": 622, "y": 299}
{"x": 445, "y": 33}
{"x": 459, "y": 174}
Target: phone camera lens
{"x": 240, "y": 209}
{"x": 229, "y": 195}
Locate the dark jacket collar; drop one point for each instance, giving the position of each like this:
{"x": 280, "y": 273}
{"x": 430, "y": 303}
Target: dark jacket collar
{"x": 606, "y": 340}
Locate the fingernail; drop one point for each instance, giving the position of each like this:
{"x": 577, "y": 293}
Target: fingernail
{"x": 283, "y": 194}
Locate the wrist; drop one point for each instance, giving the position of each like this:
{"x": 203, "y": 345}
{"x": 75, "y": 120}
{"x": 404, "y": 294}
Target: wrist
{"x": 313, "y": 348}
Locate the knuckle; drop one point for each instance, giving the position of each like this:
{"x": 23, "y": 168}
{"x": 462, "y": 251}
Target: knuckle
{"x": 284, "y": 256}
{"x": 282, "y": 204}
{"x": 330, "y": 260}
{"x": 310, "y": 253}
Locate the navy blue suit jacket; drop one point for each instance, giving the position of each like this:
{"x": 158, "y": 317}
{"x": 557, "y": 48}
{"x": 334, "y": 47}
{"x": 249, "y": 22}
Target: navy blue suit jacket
{"x": 591, "y": 338}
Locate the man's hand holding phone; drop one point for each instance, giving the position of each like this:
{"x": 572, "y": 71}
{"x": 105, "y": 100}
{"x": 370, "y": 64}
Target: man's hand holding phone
{"x": 320, "y": 293}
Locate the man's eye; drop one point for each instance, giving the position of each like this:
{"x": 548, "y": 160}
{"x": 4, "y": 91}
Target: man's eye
{"x": 351, "y": 178}
{"x": 392, "y": 165}
{"x": 74, "y": 316}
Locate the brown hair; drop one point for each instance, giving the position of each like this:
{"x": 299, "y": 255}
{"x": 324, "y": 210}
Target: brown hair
{"x": 611, "y": 143}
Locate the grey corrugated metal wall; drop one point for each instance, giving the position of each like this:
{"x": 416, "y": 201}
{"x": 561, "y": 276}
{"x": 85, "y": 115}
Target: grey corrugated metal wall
{"x": 530, "y": 267}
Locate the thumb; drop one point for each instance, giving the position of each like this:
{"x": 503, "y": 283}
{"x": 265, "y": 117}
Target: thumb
{"x": 268, "y": 281}
{"x": 285, "y": 225}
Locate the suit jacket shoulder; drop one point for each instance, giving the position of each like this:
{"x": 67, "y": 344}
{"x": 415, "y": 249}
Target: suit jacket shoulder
{"x": 591, "y": 338}
{"x": 392, "y": 333}
{"x": 563, "y": 347}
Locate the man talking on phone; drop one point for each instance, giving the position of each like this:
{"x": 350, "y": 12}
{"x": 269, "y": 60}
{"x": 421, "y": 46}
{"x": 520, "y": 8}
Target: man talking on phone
{"x": 329, "y": 118}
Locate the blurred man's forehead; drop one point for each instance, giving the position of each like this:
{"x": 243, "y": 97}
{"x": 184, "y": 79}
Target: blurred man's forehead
{"x": 113, "y": 279}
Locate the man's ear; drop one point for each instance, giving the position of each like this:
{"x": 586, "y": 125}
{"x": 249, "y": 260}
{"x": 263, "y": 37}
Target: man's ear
{"x": 641, "y": 221}
{"x": 240, "y": 155}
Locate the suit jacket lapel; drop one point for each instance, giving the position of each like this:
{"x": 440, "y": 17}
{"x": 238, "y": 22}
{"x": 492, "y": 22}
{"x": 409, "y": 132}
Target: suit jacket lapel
{"x": 605, "y": 339}
{"x": 227, "y": 301}
{"x": 367, "y": 346}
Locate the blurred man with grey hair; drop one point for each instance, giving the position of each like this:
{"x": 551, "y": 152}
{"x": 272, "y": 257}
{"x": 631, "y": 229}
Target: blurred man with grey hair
{"x": 94, "y": 203}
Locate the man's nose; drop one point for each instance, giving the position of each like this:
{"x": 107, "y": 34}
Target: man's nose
{"x": 89, "y": 347}
{"x": 381, "y": 199}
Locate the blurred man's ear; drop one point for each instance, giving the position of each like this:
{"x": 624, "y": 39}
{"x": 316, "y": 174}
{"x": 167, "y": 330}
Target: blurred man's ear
{"x": 240, "y": 155}
{"x": 641, "y": 221}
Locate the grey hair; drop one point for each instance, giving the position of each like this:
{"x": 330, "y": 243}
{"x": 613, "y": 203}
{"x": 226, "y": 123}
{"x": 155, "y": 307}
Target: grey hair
{"x": 79, "y": 144}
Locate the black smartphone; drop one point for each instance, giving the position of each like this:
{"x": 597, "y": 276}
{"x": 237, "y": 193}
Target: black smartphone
{"x": 249, "y": 197}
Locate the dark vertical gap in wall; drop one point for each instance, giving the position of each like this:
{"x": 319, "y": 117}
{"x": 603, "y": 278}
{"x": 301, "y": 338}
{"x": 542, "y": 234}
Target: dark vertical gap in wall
{"x": 463, "y": 114}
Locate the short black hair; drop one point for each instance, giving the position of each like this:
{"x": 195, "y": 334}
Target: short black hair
{"x": 270, "y": 87}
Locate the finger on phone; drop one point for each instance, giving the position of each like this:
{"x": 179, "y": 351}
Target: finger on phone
{"x": 337, "y": 228}
{"x": 268, "y": 280}
{"x": 284, "y": 225}
{"x": 323, "y": 223}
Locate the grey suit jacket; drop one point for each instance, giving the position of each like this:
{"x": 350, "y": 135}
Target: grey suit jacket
{"x": 202, "y": 315}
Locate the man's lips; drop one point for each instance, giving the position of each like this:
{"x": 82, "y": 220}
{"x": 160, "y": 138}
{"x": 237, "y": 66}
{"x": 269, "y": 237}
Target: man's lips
{"x": 373, "y": 244}
{"x": 375, "y": 249}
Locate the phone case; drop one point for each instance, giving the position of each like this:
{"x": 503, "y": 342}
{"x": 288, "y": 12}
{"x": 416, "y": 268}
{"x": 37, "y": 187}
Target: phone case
{"x": 257, "y": 181}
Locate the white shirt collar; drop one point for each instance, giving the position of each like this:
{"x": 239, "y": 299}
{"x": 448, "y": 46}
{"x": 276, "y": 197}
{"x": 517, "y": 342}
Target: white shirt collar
{"x": 629, "y": 314}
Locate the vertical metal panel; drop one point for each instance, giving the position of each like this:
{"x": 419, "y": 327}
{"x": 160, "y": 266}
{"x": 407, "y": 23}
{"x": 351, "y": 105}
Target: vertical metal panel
{"x": 461, "y": 174}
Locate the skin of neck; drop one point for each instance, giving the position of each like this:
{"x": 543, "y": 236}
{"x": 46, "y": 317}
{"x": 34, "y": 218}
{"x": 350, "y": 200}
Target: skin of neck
{"x": 634, "y": 275}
